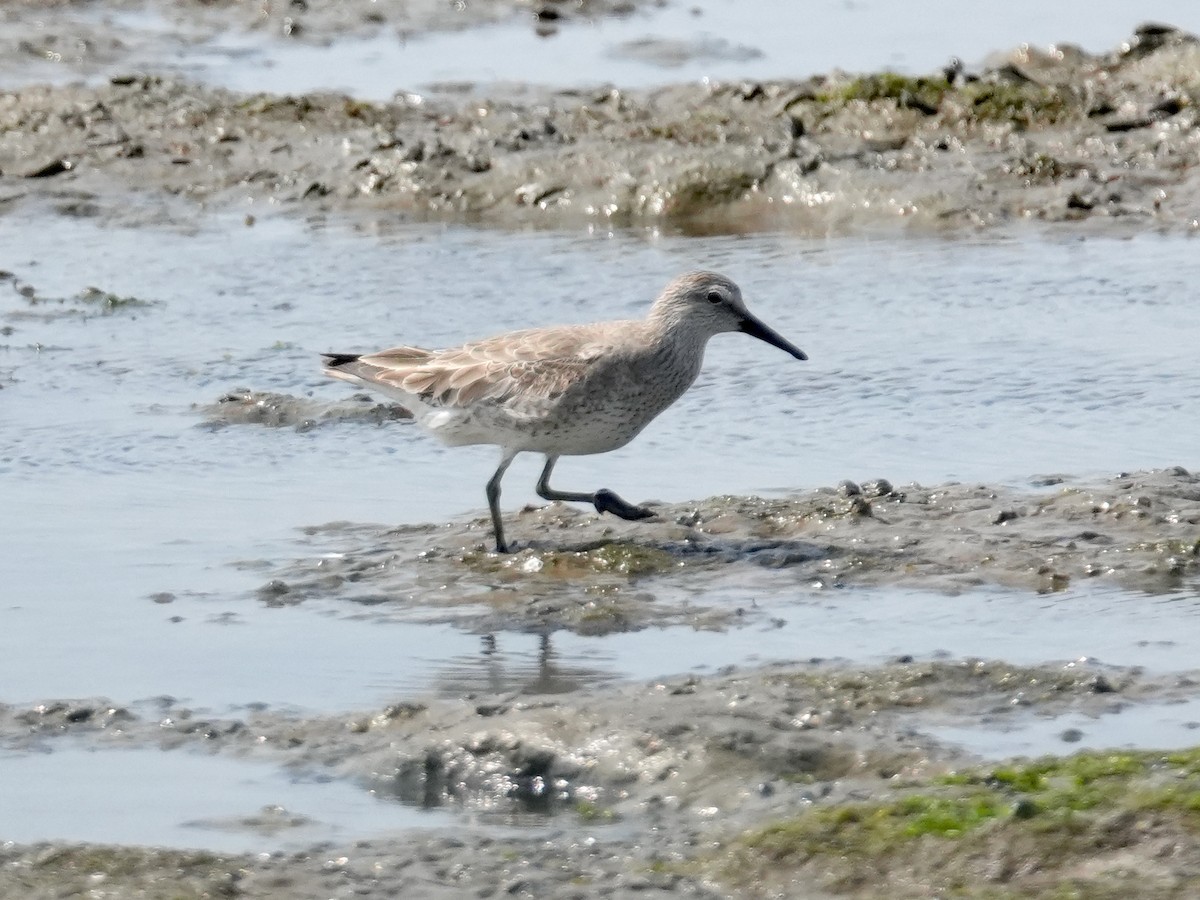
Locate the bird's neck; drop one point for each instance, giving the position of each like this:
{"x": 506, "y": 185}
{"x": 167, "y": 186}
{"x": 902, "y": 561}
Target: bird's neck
{"x": 677, "y": 345}
{"x": 671, "y": 326}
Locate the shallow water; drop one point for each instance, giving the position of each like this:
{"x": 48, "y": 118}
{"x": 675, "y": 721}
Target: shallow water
{"x": 712, "y": 39}
{"x": 974, "y": 360}
{"x": 681, "y": 41}
{"x": 141, "y": 796}
{"x": 1165, "y": 726}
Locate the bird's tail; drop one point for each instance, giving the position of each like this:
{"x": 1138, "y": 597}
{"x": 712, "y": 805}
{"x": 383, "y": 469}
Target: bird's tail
{"x": 333, "y": 360}
{"x": 341, "y": 366}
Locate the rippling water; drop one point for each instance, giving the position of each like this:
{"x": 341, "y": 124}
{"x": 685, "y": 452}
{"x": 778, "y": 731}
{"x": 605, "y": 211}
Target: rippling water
{"x": 930, "y": 360}
{"x": 144, "y": 796}
{"x": 979, "y": 360}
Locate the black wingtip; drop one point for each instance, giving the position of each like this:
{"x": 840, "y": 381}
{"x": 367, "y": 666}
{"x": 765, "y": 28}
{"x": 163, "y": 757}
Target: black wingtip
{"x": 333, "y": 360}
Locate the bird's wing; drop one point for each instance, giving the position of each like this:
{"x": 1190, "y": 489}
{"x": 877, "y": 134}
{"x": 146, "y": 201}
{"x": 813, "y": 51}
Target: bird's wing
{"x": 534, "y": 365}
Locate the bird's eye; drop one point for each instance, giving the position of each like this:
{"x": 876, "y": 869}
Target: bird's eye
{"x": 716, "y": 297}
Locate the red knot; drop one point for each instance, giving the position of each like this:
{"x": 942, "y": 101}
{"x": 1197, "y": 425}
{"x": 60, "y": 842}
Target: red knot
{"x": 569, "y": 390}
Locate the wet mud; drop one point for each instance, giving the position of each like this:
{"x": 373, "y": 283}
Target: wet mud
{"x": 580, "y": 571}
{"x": 1109, "y": 140}
{"x": 647, "y": 789}
{"x": 243, "y": 406}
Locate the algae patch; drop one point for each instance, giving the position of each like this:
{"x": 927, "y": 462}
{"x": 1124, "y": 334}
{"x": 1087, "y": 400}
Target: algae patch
{"x": 1023, "y": 829}
{"x": 616, "y": 557}
{"x": 920, "y": 93}
{"x": 1023, "y": 104}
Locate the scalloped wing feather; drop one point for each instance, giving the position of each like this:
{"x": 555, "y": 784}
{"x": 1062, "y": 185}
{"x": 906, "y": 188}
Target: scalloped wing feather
{"x": 535, "y": 365}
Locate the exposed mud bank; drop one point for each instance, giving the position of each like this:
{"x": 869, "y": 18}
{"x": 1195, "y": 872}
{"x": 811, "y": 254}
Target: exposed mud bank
{"x": 650, "y": 789}
{"x": 246, "y": 407}
{"x": 1112, "y": 140}
{"x": 587, "y": 573}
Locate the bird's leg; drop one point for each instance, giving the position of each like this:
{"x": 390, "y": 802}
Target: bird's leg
{"x": 548, "y": 493}
{"x": 604, "y": 500}
{"x": 493, "y": 497}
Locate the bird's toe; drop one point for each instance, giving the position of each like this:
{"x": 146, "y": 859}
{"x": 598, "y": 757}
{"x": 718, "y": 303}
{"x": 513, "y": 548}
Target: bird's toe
{"x": 607, "y": 501}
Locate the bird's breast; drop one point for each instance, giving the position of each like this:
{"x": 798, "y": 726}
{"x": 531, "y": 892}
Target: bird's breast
{"x": 610, "y": 407}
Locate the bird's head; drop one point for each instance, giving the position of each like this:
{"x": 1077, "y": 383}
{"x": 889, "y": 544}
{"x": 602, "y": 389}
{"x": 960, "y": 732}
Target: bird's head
{"x": 711, "y": 304}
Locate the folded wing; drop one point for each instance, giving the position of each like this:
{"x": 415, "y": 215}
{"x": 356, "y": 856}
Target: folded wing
{"x": 534, "y": 366}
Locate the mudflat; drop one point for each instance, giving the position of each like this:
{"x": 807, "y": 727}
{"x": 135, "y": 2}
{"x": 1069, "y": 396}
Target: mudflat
{"x": 811, "y": 777}
{"x": 1107, "y": 140}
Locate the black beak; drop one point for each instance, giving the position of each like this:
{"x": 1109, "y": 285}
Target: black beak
{"x": 755, "y": 328}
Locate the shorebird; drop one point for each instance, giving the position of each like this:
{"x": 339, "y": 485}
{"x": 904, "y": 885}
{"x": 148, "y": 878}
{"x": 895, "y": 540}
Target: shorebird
{"x": 569, "y": 390}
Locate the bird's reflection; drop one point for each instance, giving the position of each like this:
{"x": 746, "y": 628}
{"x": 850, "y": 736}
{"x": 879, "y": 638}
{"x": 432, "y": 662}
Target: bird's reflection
{"x": 496, "y": 670}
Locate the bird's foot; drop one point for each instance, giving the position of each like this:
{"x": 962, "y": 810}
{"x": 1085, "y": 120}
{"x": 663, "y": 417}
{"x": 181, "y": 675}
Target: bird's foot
{"x": 608, "y": 502}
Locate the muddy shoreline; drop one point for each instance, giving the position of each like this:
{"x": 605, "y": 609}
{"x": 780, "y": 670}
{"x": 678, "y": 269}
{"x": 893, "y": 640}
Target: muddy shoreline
{"x": 645, "y": 790}
{"x": 582, "y": 572}
{"x": 1098, "y": 141}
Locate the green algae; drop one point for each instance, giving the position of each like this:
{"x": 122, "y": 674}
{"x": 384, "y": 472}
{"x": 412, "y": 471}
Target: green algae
{"x": 1023, "y": 104}
{"x": 1090, "y": 781}
{"x": 863, "y": 828}
{"x": 593, "y": 813}
{"x": 1055, "y": 811}
{"x": 610, "y": 558}
{"x": 924, "y": 93}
